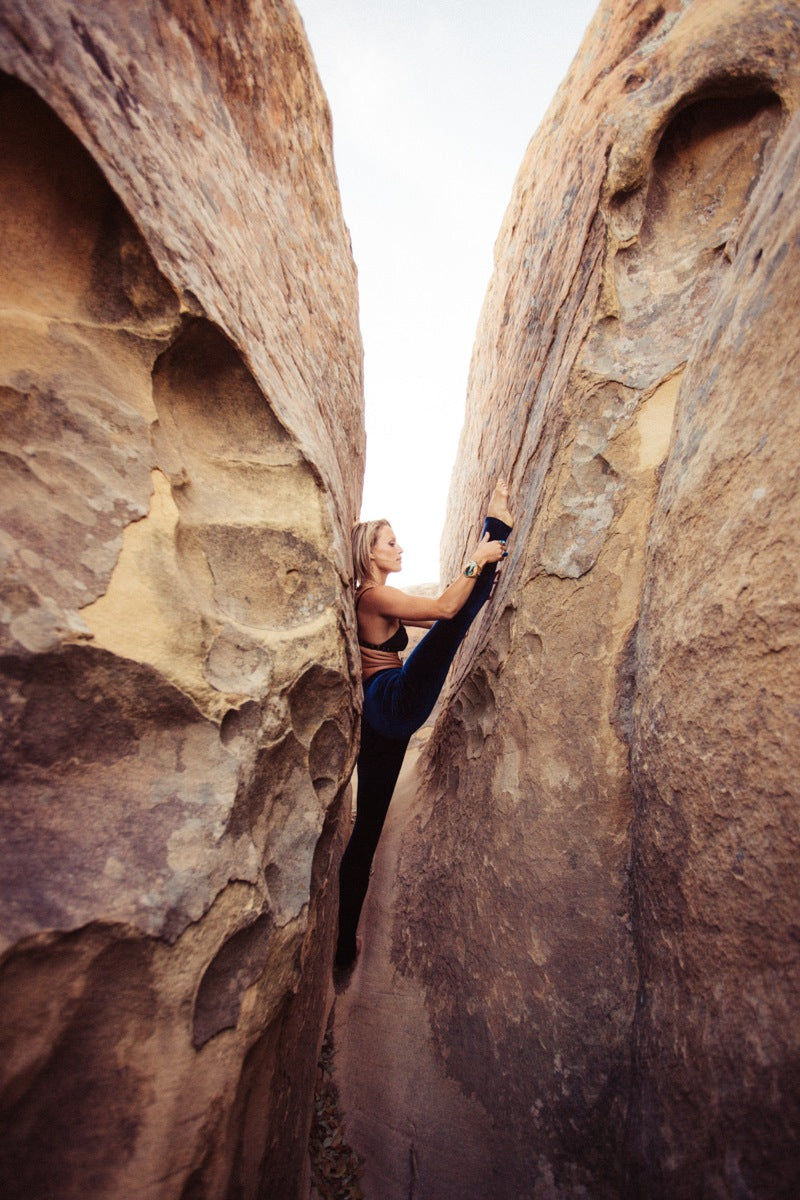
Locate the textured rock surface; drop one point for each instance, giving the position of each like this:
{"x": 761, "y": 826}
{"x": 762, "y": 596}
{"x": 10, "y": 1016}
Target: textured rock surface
{"x": 416, "y": 1131}
{"x": 180, "y": 379}
{"x": 716, "y": 743}
{"x": 631, "y": 1033}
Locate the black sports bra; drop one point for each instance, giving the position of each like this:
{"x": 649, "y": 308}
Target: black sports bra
{"x": 394, "y": 644}
{"x": 397, "y": 642}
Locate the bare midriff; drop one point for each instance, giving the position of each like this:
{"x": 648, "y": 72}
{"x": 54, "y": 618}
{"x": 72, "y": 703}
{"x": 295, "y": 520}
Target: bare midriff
{"x": 373, "y": 661}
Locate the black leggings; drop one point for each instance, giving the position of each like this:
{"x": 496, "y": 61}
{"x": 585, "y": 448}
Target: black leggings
{"x": 396, "y": 703}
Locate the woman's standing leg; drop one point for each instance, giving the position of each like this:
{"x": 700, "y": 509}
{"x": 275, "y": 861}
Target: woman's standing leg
{"x": 379, "y": 761}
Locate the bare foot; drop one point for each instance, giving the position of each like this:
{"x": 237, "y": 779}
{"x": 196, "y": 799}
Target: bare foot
{"x": 498, "y": 504}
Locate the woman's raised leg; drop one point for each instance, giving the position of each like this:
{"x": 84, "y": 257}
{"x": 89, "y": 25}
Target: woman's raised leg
{"x": 401, "y": 701}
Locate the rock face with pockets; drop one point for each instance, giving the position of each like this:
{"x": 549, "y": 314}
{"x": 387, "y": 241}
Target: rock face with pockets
{"x": 599, "y": 898}
{"x": 182, "y": 436}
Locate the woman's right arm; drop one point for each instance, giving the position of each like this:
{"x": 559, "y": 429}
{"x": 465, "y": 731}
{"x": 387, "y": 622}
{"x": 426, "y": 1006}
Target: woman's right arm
{"x": 392, "y": 602}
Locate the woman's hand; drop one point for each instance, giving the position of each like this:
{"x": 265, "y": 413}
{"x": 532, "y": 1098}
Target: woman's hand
{"x": 488, "y": 551}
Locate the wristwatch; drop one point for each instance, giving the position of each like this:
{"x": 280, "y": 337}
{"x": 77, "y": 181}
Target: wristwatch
{"x": 471, "y": 569}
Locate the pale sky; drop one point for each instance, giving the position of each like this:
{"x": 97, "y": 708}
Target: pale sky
{"x": 433, "y": 103}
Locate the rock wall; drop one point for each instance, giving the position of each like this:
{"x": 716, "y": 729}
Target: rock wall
{"x": 182, "y": 436}
{"x": 599, "y": 893}
{"x": 716, "y": 743}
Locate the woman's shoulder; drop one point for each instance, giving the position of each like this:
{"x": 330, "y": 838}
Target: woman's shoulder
{"x": 363, "y": 589}
{"x": 376, "y": 591}
{"x": 380, "y": 600}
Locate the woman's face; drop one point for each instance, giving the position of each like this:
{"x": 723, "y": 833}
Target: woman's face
{"x": 387, "y": 553}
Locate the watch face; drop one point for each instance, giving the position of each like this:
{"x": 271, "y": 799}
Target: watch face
{"x": 471, "y": 569}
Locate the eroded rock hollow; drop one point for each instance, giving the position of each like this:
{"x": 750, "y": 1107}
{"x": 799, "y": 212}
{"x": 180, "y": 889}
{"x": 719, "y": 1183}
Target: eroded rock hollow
{"x": 182, "y": 435}
{"x": 597, "y": 906}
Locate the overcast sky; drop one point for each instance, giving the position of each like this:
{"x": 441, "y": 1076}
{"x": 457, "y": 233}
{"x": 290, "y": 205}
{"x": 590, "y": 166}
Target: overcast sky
{"x": 433, "y": 104}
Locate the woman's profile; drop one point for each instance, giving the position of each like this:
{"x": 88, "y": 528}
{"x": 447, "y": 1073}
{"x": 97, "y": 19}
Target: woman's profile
{"x": 400, "y": 696}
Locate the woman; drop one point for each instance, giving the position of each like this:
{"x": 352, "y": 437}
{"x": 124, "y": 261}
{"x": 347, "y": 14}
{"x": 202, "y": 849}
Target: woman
{"x": 399, "y": 697}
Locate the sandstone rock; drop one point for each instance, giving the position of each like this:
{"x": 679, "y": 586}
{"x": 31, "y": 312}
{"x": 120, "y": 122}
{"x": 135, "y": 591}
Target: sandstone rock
{"x": 415, "y": 1129}
{"x": 716, "y": 743}
{"x": 180, "y": 374}
{"x": 586, "y": 1009}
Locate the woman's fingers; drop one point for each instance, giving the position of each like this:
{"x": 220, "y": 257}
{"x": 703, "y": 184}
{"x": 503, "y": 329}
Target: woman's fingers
{"x": 496, "y": 549}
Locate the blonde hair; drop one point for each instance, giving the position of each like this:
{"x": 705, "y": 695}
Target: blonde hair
{"x": 365, "y": 535}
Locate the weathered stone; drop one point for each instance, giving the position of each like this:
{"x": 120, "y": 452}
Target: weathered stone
{"x": 628, "y": 288}
{"x": 415, "y": 1129}
{"x": 716, "y": 743}
{"x": 180, "y": 380}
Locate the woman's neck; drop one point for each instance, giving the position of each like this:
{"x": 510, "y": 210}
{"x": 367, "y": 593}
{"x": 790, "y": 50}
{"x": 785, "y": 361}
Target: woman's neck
{"x": 379, "y": 579}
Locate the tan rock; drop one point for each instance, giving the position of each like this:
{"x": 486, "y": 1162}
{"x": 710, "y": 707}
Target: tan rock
{"x": 415, "y": 1129}
{"x": 180, "y": 377}
{"x": 621, "y": 312}
{"x": 716, "y": 741}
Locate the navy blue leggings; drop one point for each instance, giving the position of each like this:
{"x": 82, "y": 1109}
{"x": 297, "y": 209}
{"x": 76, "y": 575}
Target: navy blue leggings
{"x": 396, "y": 703}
